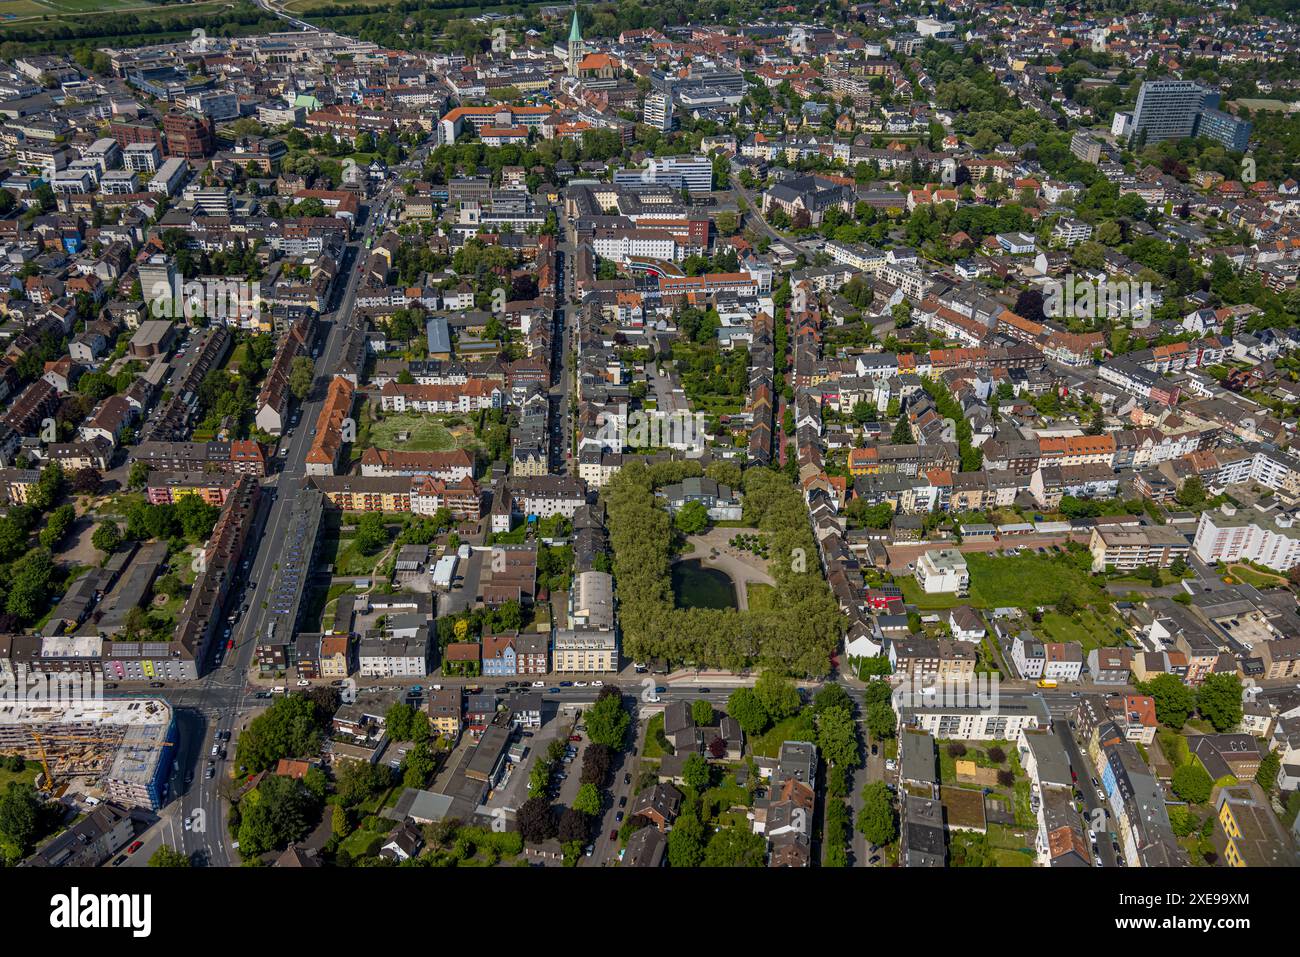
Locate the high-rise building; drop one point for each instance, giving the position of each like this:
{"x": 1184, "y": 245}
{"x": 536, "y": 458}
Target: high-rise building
{"x": 1167, "y": 110}
{"x": 189, "y": 135}
{"x": 658, "y": 111}
{"x": 1224, "y": 128}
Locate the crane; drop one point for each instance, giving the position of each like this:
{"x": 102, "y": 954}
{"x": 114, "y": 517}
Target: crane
{"x": 40, "y": 739}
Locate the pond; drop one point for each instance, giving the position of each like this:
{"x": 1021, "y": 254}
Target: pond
{"x": 697, "y": 586}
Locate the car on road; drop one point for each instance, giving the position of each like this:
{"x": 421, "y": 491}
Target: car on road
{"x": 303, "y": 683}
{"x": 660, "y": 689}
{"x": 209, "y": 774}
{"x": 215, "y": 749}
{"x": 110, "y": 686}
{"x": 156, "y": 684}
{"x": 566, "y": 684}
{"x": 552, "y": 690}
{"x": 627, "y": 779}
{"x": 622, "y": 802}
{"x": 875, "y": 749}
{"x": 598, "y": 684}
{"x": 575, "y": 737}
{"x": 135, "y": 846}
{"x": 706, "y": 691}
{"x": 539, "y": 684}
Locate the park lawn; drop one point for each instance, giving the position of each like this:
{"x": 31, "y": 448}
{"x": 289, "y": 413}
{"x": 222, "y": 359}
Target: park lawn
{"x": 761, "y": 597}
{"x": 426, "y": 434}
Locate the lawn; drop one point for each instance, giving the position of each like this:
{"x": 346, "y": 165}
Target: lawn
{"x": 343, "y": 554}
{"x": 25, "y": 776}
{"x": 425, "y": 435}
{"x": 1258, "y": 579}
{"x": 761, "y": 597}
{"x": 796, "y": 728}
{"x": 1088, "y": 627}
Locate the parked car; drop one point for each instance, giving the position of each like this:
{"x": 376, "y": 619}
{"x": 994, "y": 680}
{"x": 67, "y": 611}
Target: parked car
{"x": 575, "y": 737}
{"x": 622, "y": 802}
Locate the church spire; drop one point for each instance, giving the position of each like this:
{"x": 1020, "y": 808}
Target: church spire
{"x": 575, "y": 34}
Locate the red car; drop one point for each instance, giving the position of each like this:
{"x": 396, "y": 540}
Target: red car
{"x": 613, "y": 835}
{"x": 135, "y": 847}
{"x": 575, "y": 737}
{"x": 230, "y": 644}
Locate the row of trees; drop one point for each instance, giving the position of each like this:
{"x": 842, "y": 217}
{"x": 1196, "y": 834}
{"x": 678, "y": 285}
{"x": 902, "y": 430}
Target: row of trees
{"x": 796, "y": 636}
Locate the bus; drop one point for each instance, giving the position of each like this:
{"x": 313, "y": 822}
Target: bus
{"x": 1047, "y": 682}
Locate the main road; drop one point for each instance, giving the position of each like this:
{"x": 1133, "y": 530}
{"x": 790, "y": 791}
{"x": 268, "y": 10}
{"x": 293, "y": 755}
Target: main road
{"x": 222, "y": 698}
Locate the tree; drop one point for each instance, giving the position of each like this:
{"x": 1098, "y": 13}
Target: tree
{"x": 372, "y": 534}
{"x": 1192, "y": 783}
{"x": 87, "y": 481}
{"x": 702, "y": 713}
{"x": 902, "y": 434}
{"x": 831, "y": 696}
{"x": 877, "y": 821}
{"x": 1218, "y": 699}
{"x": 587, "y": 800}
{"x": 1266, "y": 775}
{"x": 692, "y": 518}
{"x": 596, "y": 763}
{"x": 21, "y": 812}
{"x": 107, "y": 537}
{"x": 695, "y": 771}
{"x": 138, "y": 475}
{"x": 735, "y": 847}
{"x": 777, "y": 694}
{"x": 574, "y": 826}
{"x": 301, "y": 373}
{"x": 536, "y": 822}
{"x": 608, "y": 720}
{"x": 686, "y": 841}
{"x": 744, "y": 706}
{"x": 57, "y": 525}
{"x": 882, "y": 722}
{"x": 837, "y": 737}
{"x": 277, "y": 812}
{"x": 290, "y": 728}
{"x": 167, "y": 856}
{"x": 1174, "y": 700}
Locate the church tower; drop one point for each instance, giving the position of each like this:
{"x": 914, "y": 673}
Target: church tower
{"x": 575, "y": 44}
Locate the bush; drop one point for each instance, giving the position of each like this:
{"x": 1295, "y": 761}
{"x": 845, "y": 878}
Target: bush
{"x": 1006, "y": 779}
{"x": 997, "y": 755}
{"x": 956, "y": 749}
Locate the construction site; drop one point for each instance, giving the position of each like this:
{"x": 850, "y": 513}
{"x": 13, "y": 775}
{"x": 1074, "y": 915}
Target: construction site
{"x": 120, "y": 749}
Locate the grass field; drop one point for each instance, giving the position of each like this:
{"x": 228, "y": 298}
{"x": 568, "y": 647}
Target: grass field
{"x": 30, "y": 13}
{"x": 1091, "y": 629}
{"x": 25, "y": 776}
{"x": 1012, "y": 581}
{"x": 761, "y": 597}
{"x": 1253, "y": 577}
{"x": 425, "y": 434}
